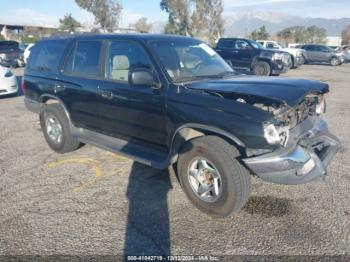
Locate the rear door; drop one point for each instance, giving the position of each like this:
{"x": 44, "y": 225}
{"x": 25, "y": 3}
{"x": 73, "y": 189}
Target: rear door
{"x": 78, "y": 85}
{"x": 225, "y": 49}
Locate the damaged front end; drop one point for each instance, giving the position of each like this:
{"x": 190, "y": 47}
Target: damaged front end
{"x": 299, "y": 146}
{"x": 306, "y": 146}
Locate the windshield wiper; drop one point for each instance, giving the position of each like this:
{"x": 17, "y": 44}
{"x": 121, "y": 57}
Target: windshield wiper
{"x": 193, "y": 78}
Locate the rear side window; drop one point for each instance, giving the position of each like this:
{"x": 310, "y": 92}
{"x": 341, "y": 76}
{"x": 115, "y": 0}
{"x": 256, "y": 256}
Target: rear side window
{"x": 85, "y": 59}
{"x": 226, "y": 44}
{"x": 46, "y": 55}
{"x": 310, "y": 48}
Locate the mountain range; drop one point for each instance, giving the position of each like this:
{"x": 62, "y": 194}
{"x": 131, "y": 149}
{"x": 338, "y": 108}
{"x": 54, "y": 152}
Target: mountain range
{"x": 243, "y": 23}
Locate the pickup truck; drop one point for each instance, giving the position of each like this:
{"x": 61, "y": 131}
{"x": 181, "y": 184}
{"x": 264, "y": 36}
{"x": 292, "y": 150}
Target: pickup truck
{"x": 168, "y": 100}
{"x": 248, "y": 54}
{"x": 296, "y": 54}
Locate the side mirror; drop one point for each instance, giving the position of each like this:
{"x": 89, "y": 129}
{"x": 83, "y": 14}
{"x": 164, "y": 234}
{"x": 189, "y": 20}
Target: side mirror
{"x": 144, "y": 78}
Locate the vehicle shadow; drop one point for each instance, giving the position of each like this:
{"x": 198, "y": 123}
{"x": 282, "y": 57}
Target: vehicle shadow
{"x": 147, "y": 231}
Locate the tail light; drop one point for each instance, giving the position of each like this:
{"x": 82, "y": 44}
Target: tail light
{"x": 24, "y": 87}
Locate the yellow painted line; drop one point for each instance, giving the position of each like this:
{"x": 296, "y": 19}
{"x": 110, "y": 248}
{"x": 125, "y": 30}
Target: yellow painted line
{"x": 85, "y": 161}
{"x": 92, "y": 164}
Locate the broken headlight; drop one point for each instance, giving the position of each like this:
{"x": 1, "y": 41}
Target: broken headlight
{"x": 271, "y": 135}
{"x": 321, "y": 105}
{"x": 276, "y": 134}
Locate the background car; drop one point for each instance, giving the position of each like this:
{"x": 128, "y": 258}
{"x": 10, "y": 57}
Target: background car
{"x": 296, "y": 54}
{"x": 345, "y": 49}
{"x": 248, "y": 54}
{"x": 322, "y": 54}
{"x": 10, "y": 54}
{"x": 27, "y": 52}
{"x": 8, "y": 82}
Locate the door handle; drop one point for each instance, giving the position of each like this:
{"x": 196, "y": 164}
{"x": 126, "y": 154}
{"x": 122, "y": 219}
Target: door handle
{"x": 107, "y": 95}
{"x": 59, "y": 88}
{"x": 235, "y": 51}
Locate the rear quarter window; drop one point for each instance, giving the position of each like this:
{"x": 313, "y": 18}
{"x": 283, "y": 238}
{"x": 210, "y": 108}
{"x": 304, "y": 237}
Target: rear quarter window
{"x": 46, "y": 55}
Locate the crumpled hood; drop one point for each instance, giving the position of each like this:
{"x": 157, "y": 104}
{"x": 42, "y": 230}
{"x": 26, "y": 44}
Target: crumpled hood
{"x": 290, "y": 91}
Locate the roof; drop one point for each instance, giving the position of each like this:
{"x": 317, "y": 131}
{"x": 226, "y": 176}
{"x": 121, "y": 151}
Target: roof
{"x": 145, "y": 37}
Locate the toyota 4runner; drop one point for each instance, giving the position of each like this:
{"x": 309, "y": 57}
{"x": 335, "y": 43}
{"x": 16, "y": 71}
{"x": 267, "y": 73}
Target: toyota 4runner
{"x": 164, "y": 100}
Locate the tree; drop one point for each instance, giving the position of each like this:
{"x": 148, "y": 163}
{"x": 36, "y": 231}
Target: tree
{"x": 68, "y": 23}
{"x": 261, "y": 34}
{"x": 346, "y": 36}
{"x": 142, "y": 25}
{"x": 200, "y": 18}
{"x": 106, "y": 12}
{"x": 300, "y": 34}
{"x": 179, "y": 18}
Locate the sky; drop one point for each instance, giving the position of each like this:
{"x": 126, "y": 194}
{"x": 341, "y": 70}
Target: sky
{"x": 47, "y": 12}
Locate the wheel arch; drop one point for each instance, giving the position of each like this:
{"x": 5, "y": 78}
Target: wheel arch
{"x": 47, "y": 99}
{"x": 190, "y": 131}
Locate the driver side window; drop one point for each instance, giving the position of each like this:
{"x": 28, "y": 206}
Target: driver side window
{"x": 123, "y": 57}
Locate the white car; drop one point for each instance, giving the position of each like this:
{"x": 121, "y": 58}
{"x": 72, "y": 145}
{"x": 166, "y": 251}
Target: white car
{"x": 8, "y": 82}
{"x": 296, "y": 54}
{"x": 27, "y": 52}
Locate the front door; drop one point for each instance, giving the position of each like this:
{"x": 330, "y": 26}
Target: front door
{"x": 242, "y": 53}
{"x": 133, "y": 113}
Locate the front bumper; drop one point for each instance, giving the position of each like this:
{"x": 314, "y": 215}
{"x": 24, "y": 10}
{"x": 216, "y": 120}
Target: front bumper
{"x": 299, "y": 60}
{"x": 303, "y": 162}
{"x": 8, "y": 86}
{"x": 279, "y": 67}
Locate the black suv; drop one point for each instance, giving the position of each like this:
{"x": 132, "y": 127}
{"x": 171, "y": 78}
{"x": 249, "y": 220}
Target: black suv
{"x": 162, "y": 100}
{"x": 248, "y": 54}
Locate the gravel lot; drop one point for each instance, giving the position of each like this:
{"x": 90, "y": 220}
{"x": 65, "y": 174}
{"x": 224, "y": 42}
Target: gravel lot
{"x": 92, "y": 202}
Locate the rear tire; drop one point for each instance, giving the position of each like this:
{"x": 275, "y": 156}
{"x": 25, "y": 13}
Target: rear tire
{"x": 56, "y": 129}
{"x": 232, "y": 188}
{"x": 261, "y": 68}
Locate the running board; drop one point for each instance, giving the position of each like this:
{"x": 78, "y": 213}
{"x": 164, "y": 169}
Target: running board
{"x": 138, "y": 153}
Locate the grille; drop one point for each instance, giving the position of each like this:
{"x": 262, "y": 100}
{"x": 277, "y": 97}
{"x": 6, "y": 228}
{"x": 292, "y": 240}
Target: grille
{"x": 301, "y": 112}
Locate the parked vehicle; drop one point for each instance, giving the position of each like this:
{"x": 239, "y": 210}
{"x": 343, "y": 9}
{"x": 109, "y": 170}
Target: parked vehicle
{"x": 296, "y": 54}
{"x": 10, "y": 54}
{"x": 248, "y": 54}
{"x": 162, "y": 99}
{"x": 345, "y": 49}
{"x": 27, "y": 52}
{"x": 8, "y": 82}
{"x": 322, "y": 54}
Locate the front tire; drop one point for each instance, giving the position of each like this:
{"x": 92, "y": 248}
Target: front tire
{"x": 261, "y": 68}
{"x": 56, "y": 129}
{"x": 212, "y": 177}
{"x": 335, "y": 61}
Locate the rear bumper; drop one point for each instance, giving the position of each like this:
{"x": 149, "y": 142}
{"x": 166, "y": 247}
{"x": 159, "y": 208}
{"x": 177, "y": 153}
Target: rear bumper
{"x": 301, "y": 163}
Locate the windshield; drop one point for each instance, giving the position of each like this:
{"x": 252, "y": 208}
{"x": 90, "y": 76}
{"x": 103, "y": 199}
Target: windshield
{"x": 7, "y": 47}
{"x": 255, "y": 44}
{"x": 186, "y": 60}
